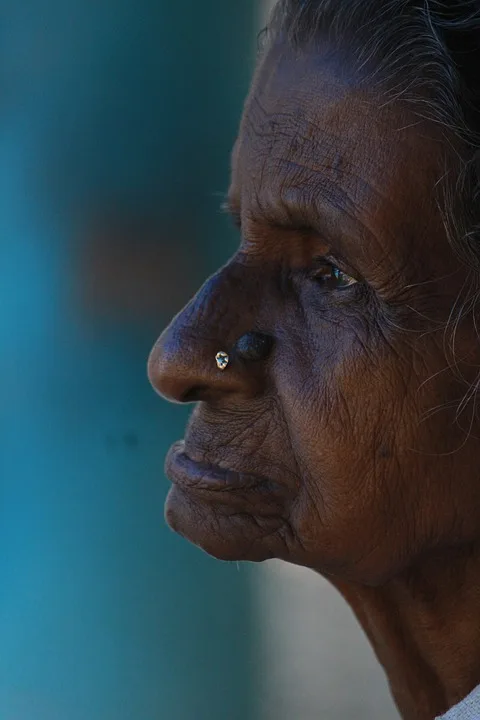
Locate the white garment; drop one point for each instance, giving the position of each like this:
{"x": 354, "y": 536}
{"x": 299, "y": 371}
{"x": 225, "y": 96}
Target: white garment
{"x": 468, "y": 709}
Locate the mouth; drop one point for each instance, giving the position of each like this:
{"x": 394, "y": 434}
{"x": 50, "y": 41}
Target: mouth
{"x": 202, "y": 477}
{"x": 232, "y": 515}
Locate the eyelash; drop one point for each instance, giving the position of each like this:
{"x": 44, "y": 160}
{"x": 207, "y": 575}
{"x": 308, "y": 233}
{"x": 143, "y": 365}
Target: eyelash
{"x": 330, "y": 276}
{"x": 234, "y": 215}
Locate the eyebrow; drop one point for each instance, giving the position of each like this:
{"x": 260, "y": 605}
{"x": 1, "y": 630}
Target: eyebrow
{"x": 326, "y": 211}
{"x": 322, "y": 207}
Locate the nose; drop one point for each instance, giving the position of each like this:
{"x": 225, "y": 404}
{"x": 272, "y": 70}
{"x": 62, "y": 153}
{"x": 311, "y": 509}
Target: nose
{"x": 207, "y": 351}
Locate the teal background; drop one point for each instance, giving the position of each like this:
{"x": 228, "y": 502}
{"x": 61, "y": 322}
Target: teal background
{"x": 104, "y": 613}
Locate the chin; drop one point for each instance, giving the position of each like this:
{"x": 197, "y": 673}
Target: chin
{"x": 222, "y": 531}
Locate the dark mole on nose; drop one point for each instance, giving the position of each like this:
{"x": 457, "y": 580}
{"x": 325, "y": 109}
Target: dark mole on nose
{"x": 254, "y": 346}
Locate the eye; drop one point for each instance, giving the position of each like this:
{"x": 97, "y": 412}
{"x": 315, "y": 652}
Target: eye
{"x": 331, "y": 277}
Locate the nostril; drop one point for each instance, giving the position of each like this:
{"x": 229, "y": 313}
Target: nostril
{"x": 254, "y": 346}
{"x": 195, "y": 394}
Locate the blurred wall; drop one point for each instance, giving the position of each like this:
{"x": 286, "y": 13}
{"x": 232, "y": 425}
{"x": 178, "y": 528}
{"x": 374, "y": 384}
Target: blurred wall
{"x": 116, "y": 120}
{"x": 318, "y": 664}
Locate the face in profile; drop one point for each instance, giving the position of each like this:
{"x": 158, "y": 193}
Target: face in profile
{"x": 331, "y": 430}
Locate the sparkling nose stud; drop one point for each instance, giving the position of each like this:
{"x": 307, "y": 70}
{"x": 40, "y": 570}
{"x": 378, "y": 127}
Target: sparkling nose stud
{"x": 222, "y": 360}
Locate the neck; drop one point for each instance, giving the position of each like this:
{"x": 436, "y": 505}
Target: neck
{"x": 425, "y": 629}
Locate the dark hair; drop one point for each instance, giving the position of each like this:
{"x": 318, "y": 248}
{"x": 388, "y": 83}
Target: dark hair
{"x": 422, "y": 52}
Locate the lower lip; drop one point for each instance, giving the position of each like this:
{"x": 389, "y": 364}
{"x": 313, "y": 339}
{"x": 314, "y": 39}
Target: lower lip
{"x": 189, "y": 474}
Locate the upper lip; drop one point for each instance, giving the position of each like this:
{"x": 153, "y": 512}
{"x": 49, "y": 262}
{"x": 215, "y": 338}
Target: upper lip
{"x": 194, "y": 475}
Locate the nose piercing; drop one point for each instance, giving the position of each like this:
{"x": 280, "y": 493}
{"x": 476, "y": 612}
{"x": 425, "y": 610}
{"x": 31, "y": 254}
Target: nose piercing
{"x": 222, "y": 360}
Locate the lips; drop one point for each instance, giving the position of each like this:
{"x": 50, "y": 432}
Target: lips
{"x": 231, "y": 515}
{"x": 203, "y": 477}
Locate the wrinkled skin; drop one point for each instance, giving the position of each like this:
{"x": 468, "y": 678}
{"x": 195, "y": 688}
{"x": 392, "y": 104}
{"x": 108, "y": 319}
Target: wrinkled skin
{"x": 354, "y": 462}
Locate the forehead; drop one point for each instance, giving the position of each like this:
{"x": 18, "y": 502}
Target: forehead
{"x": 315, "y": 147}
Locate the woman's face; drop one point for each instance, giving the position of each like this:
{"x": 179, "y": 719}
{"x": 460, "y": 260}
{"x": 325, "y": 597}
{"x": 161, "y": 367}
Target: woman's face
{"x": 342, "y": 448}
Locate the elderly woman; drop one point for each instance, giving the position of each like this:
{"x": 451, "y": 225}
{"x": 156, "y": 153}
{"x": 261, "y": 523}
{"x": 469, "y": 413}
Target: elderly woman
{"x": 334, "y": 361}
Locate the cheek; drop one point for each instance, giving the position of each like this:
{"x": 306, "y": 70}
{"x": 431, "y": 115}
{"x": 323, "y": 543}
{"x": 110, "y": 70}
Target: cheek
{"x": 369, "y": 460}
{"x": 349, "y": 439}
{"x": 359, "y": 406}
{"x": 337, "y": 402}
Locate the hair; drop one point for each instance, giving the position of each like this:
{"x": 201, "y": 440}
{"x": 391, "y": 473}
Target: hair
{"x": 425, "y": 53}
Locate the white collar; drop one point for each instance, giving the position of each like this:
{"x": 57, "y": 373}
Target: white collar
{"x": 468, "y": 709}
